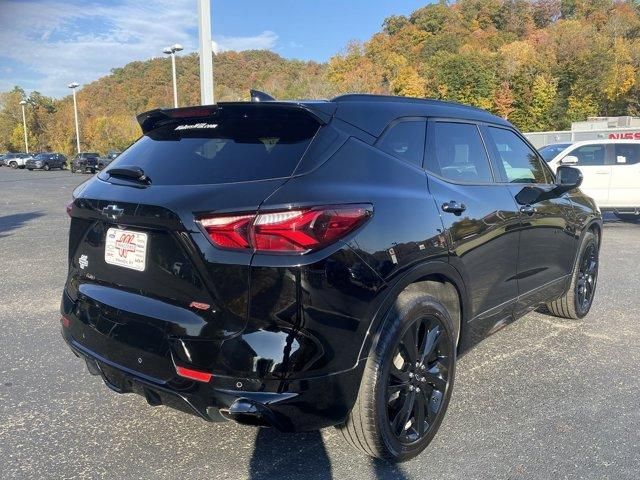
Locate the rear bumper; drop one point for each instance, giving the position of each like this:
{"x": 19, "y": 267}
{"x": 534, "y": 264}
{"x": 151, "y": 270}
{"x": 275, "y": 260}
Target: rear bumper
{"x": 85, "y": 167}
{"x": 288, "y": 405}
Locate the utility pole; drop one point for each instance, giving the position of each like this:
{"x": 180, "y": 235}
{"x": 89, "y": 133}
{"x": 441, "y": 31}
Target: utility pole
{"x": 206, "y": 54}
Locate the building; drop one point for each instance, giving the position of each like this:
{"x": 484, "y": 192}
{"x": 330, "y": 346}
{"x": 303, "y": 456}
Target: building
{"x": 594, "y": 128}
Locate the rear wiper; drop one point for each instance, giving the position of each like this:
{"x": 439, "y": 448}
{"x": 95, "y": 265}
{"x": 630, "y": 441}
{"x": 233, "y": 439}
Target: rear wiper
{"x": 130, "y": 173}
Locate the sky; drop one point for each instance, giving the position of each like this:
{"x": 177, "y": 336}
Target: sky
{"x": 50, "y": 43}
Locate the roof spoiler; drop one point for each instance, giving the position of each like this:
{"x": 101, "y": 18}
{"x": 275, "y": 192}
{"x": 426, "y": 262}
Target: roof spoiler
{"x": 152, "y": 119}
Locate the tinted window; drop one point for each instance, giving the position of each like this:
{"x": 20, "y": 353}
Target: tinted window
{"x": 458, "y": 153}
{"x": 256, "y": 144}
{"x": 627, "y": 153}
{"x": 405, "y": 140}
{"x": 520, "y": 163}
{"x": 550, "y": 151}
{"x": 590, "y": 155}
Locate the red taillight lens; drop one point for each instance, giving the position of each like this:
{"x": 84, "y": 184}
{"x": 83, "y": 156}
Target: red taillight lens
{"x": 289, "y": 231}
{"x": 69, "y": 208}
{"x": 194, "y": 374}
{"x": 228, "y": 231}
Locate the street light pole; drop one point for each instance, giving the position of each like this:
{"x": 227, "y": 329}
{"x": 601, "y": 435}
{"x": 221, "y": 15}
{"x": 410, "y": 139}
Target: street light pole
{"x": 24, "y": 125}
{"x": 176, "y": 47}
{"x": 73, "y": 87}
{"x": 206, "y": 55}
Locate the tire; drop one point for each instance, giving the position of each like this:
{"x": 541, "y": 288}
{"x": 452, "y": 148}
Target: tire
{"x": 572, "y": 304}
{"x": 13, "y": 165}
{"x": 30, "y": 169}
{"x": 46, "y": 167}
{"x": 371, "y": 423}
{"x": 627, "y": 217}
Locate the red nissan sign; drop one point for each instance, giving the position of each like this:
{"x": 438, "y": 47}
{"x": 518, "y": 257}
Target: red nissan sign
{"x": 625, "y": 136}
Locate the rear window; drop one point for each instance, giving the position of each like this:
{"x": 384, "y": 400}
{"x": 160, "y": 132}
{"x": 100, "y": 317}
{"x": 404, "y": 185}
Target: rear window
{"x": 254, "y": 144}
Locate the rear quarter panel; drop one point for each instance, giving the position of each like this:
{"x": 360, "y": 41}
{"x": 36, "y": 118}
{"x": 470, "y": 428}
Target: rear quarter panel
{"x": 332, "y": 296}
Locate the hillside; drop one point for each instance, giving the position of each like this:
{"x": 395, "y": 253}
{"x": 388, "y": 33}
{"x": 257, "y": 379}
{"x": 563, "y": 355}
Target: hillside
{"x": 539, "y": 63}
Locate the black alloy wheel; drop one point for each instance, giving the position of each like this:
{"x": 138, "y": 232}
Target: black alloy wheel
{"x": 407, "y": 381}
{"x": 587, "y": 277}
{"x": 418, "y": 379}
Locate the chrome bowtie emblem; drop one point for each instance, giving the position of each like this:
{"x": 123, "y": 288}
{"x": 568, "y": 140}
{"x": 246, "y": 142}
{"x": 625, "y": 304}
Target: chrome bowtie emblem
{"x": 112, "y": 211}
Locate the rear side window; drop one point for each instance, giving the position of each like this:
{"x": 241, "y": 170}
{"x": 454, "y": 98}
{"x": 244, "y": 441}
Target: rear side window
{"x": 255, "y": 144}
{"x": 520, "y": 164}
{"x": 457, "y": 153}
{"x": 405, "y": 140}
{"x": 627, "y": 153}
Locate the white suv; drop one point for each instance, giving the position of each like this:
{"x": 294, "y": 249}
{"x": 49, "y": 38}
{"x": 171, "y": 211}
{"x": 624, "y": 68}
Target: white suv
{"x": 611, "y": 170}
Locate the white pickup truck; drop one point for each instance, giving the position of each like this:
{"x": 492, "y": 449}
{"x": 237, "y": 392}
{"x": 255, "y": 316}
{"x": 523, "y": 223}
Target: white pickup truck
{"x": 611, "y": 170}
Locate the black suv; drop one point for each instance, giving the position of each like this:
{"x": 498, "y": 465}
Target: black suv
{"x": 85, "y": 162}
{"x": 47, "y": 161}
{"x": 308, "y": 264}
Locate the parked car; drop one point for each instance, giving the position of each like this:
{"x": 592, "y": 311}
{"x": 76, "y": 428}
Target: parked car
{"x": 85, "y": 162}
{"x": 107, "y": 159}
{"x": 47, "y": 161}
{"x": 301, "y": 265}
{"x": 16, "y": 160}
{"x": 611, "y": 170}
{"x": 548, "y": 152}
{"x": 2, "y": 156}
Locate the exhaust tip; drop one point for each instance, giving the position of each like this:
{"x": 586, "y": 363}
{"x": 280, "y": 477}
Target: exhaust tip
{"x": 249, "y": 412}
{"x": 92, "y": 366}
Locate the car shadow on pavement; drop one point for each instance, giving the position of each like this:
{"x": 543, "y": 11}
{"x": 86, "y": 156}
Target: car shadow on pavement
{"x": 304, "y": 455}
{"x": 15, "y": 221}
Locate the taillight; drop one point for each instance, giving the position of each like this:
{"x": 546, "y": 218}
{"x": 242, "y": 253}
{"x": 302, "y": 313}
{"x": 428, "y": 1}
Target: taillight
{"x": 288, "y": 231}
{"x": 69, "y": 208}
{"x": 228, "y": 231}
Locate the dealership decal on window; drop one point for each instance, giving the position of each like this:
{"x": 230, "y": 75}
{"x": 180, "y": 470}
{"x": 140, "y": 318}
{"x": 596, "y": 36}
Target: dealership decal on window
{"x": 196, "y": 126}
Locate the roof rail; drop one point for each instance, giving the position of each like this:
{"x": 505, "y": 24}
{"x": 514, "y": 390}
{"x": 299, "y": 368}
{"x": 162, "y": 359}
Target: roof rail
{"x": 367, "y": 97}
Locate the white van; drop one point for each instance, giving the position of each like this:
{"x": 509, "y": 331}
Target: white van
{"x": 611, "y": 170}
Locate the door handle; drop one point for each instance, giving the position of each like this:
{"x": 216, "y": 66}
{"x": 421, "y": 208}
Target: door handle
{"x": 602, "y": 172}
{"x": 528, "y": 210}
{"x": 454, "y": 207}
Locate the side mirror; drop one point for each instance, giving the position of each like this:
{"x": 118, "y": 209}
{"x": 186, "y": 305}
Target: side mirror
{"x": 567, "y": 178}
{"x": 569, "y": 160}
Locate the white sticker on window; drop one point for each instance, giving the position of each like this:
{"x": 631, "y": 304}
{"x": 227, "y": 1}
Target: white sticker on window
{"x": 196, "y": 126}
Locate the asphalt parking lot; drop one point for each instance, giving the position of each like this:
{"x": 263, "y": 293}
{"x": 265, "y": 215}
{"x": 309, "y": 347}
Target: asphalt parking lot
{"x": 543, "y": 398}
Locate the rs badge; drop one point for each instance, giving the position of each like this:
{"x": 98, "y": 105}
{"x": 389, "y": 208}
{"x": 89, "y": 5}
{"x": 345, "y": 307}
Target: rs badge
{"x": 83, "y": 261}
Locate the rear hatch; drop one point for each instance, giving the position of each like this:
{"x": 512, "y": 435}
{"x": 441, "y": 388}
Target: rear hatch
{"x": 145, "y": 283}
